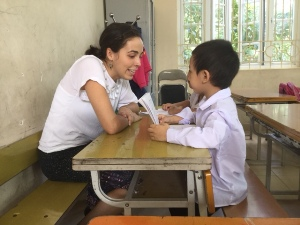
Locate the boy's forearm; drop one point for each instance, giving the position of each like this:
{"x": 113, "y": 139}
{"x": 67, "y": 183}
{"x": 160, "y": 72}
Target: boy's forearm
{"x": 183, "y": 104}
{"x": 175, "y": 119}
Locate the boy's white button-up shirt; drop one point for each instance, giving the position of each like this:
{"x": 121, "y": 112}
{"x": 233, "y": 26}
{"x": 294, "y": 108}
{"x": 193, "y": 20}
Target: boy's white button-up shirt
{"x": 218, "y": 129}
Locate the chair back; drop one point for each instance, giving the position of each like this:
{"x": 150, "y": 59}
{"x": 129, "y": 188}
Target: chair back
{"x": 172, "y": 86}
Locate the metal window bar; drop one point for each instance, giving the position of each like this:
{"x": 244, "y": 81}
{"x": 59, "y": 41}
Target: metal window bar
{"x": 271, "y": 44}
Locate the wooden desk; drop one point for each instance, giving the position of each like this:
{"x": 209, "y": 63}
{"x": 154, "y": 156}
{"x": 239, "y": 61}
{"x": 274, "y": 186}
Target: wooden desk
{"x": 132, "y": 149}
{"x": 283, "y": 124}
{"x": 251, "y": 96}
{"x": 258, "y": 96}
{"x": 284, "y": 118}
{"x": 167, "y": 220}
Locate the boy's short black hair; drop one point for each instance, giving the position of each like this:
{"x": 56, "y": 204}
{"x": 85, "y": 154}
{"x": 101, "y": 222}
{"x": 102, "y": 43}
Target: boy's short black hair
{"x": 219, "y": 59}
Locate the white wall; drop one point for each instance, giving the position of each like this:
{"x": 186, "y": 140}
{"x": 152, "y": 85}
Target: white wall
{"x": 39, "y": 40}
{"x": 165, "y": 14}
{"x": 266, "y": 79}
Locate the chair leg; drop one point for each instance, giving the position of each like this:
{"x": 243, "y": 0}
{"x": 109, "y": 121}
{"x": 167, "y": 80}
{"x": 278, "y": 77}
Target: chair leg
{"x": 209, "y": 192}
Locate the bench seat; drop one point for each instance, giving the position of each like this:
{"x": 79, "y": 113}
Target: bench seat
{"x": 18, "y": 156}
{"x": 168, "y": 220}
{"x": 259, "y": 202}
{"x": 45, "y": 205}
{"x": 27, "y": 196}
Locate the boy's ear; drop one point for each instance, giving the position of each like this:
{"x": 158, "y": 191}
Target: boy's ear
{"x": 205, "y": 76}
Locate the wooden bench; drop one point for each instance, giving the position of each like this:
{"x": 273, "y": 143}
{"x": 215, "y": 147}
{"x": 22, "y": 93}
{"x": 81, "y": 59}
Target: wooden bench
{"x": 168, "y": 220}
{"x": 47, "y": 201}
{"x": 259, "y": 202}
{"x": 18, "y": 156}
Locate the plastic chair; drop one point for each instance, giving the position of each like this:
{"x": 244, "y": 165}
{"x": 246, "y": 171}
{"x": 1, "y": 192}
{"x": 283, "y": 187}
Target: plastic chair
{"x": 172, "y": 86}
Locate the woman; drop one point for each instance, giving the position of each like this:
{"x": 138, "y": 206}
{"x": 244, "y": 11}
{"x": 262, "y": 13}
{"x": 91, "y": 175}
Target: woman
{"x": 85, "y": 105}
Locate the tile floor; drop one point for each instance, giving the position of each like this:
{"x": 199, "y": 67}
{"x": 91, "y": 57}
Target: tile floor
{"x": 285, "y": 172}
{"x": 284, "y": 177}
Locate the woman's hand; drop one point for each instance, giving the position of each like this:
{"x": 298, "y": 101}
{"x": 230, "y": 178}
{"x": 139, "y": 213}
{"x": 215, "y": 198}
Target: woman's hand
{"x": 136, "y": 117}
{"x": 129, "y": 115}
{"x": 158, "y": 132}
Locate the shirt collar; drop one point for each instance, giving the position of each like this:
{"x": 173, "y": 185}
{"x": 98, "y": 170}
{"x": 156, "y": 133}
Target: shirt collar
{"x": 205, "y": 103}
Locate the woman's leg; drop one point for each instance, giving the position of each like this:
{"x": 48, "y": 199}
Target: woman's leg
{"x": 57, "y": 166}
{"x": 102, "y": 209}
{"x": 115, "y": 185}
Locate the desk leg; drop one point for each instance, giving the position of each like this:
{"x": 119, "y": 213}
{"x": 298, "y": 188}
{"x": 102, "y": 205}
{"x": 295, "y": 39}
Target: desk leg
{"x": 191, "y": 196}
{"x": 299, "y": 186}
{"x": 128, "y": 203}
{"x": 269, "y": 164}
{"x": 99, "y": 192}
{"x": 269, "y": 152}
{"x": 250, "y": 131}
{"x": 199, "y": 181}
{"x": 258, "y": 151}
{"x": 130, "y": 192}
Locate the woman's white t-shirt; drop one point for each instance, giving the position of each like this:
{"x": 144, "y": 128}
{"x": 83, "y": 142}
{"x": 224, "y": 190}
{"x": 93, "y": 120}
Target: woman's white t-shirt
{"x": 72, "y": 120}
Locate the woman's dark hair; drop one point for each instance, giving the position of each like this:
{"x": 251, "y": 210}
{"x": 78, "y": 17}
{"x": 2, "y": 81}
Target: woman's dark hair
{"x": 219, "y": 59}
{"x": 115, "y": 37}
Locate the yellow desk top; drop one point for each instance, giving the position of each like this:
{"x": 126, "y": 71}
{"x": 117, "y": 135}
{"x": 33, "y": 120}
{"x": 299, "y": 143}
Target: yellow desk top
{"x": 132, "y": 149}
{"x": 175, "y": 220}
{"x": 245, "y": 96}
{"x": 284, "y": 118}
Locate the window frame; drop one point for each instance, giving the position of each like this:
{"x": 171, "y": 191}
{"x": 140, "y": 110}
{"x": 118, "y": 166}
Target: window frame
{"x": 208, "y": 22}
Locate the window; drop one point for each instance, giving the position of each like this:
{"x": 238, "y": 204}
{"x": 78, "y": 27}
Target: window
{"x": 261, "y": 31}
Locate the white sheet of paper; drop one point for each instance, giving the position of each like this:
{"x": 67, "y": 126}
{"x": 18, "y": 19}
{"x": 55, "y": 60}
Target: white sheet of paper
{"x": 158, "y": 111}
{"x": 161, "y": 111}
{"x": 147, "y": 102}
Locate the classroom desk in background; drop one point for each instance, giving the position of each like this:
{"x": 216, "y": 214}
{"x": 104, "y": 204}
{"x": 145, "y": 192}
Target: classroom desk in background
{"x": 283, "y": 124}
{"x": 132, "y": 149}
{"x": 255, "y": 96}
{"x": 167, "y": 220}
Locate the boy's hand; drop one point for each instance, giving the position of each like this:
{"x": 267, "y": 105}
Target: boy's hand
{"x": 166, "y": 106}
{"x": 168, "y": 119}
{"x": 158, "y": 132}
{"x": 174, "y": 109}
{"x": 164, "y": 119}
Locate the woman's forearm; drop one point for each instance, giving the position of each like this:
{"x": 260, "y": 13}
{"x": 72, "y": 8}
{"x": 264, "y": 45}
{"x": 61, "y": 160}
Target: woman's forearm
{"x": 134, "y": 107}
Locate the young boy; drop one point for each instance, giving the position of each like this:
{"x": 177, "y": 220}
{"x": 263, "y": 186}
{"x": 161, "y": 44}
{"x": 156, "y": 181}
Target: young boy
{"x": 213, "y": 66}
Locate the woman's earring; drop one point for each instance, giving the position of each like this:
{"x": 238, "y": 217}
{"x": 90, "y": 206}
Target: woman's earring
{"x": 110, "y": 65}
